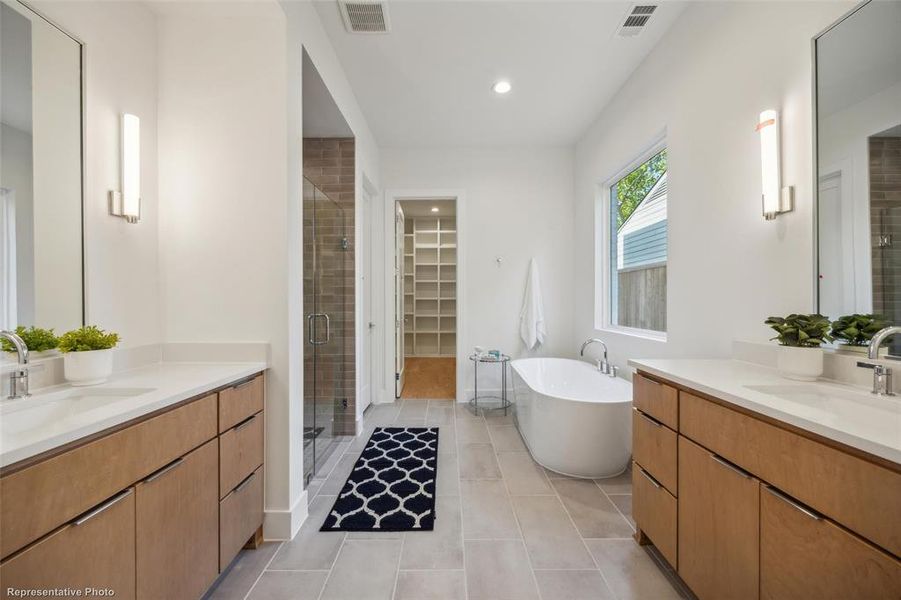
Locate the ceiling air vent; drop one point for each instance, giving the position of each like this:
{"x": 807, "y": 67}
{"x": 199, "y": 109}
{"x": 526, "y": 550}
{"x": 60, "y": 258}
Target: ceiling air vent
{"x": 364, "y": 17}
{"x": 635, "y": 22}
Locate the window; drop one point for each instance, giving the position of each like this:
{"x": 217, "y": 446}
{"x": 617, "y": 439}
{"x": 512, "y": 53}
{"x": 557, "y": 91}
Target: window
{"x": 638, "y": 247}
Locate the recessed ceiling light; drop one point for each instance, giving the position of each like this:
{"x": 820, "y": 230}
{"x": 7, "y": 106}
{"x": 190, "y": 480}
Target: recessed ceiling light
{"x": 434, "y": 209}
{"x": 502, "y": 87}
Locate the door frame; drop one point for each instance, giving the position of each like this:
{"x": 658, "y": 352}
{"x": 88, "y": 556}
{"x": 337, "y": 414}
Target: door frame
{"x": 426, "y": 195}
{"x": 400, "y": 306}
{"x": 367, "y": 235}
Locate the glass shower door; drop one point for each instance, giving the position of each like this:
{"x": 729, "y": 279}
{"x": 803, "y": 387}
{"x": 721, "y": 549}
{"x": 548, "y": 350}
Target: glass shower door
{"x": 325, "y": 264}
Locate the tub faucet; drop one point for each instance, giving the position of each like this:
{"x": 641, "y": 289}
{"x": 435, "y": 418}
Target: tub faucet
{"x": 603, "y": 366}
{"x": 882, "y": 375}
{"x": 18, "y": 379}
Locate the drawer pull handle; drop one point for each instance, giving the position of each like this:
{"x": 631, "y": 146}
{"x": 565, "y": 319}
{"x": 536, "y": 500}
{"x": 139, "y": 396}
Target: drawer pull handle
{"x": 244, "y": 423}
{"x": 730, "y": 466}
{"x": 648, "y": 380}
{"x": 164, "y": 470}
{"x": 244, "y": 483}
{"x": 653, "y": 422}
{"x": 651, "y": 479}
{"x": 793, "y": 504}
{"x": 109, "y": 503}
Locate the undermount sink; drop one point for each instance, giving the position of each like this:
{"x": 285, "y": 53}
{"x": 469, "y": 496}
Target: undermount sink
{"x": 60, "y": 409}
{"x": 835, "y": 401}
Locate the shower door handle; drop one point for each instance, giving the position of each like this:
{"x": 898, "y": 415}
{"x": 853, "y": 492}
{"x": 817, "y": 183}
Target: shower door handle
{"x": 328, "y": 328}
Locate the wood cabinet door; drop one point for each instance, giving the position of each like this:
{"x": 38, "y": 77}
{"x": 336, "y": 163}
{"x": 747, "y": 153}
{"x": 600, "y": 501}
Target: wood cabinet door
{"x": 95, "y": 551}
{"x": 719, "y": 517}
{"x": 804, "y": 555}
{"x": 177, "y": 533}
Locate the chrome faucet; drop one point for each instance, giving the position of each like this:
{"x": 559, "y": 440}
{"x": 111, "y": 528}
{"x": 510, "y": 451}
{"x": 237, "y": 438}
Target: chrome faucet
{"x": 882, "y": 375}
{"x": 603, "y": 366}
{"x": 18, "y": 380}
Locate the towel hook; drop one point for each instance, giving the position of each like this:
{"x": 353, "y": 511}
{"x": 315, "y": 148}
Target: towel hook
{"x": 499, "y": 260}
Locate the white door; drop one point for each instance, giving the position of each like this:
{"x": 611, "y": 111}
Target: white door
{"x": 369, "y": 325}
{"x": 399, "y": 301}
{"x": 836, "y": 283}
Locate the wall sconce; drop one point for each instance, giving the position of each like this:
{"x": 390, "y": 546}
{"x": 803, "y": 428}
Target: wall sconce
{"x": 776, "y": 199}
{"x": 126, "y": 203}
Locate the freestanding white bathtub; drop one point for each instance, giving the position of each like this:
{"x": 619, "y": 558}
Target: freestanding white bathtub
{"x": 574, "y": 420}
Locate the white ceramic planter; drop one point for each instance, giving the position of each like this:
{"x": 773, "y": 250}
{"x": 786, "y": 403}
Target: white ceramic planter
{"x": 88, "y": 368}
{"x": 801, "y": 364}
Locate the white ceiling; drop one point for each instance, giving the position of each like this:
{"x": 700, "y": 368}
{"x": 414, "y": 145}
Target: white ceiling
{"x": 428, "y": 82}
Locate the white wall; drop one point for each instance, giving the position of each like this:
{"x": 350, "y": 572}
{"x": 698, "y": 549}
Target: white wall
{"x": 518, "y": 206}
{"x": 705, "y": 83}
{"x": 122, "y": 263}
{"x": 225, "y": 223}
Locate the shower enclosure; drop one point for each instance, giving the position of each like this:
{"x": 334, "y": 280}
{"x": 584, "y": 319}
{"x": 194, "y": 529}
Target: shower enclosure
{"x": 327, "y": 301}
{"x": 886, "y": 226}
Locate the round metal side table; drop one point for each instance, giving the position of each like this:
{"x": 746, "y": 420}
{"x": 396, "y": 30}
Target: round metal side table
{"x": 504, "y": 361}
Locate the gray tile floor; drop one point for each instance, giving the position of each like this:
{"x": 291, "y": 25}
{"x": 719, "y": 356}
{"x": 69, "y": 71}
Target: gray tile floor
{"x": 506, "y": 529}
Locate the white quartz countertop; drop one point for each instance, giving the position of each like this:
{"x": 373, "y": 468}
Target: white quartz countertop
{"x": 58, "y": 415}
{"x": 846, "y": 414}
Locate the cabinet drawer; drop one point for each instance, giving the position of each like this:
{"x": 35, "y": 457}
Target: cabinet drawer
{"x": 240, "y": 515}
{"x": 176, "y": 528}
{"x": 240, "y": 452}
{"x": 803, "y": 555}
{"x": 654, "y": 447}
{"x": 719, "y": 526}
{"x": 849, "y": 490}
{"x": 657, "y": 399}
{"x": 239, "y": 402}
{"x": 97, "y": 550}
{"x": 40, "y": 498}
{"x": 654, "y": 511}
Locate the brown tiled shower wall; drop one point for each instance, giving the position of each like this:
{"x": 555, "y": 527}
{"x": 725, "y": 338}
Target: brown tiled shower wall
{"x": 885, "y": 225}
{"x": 329, "y": 164}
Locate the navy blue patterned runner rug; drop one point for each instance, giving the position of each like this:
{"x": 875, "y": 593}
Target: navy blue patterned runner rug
{"x": 392, "y": 485}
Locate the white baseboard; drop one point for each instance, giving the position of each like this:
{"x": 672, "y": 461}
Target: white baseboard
{"x": 283, "y": 525}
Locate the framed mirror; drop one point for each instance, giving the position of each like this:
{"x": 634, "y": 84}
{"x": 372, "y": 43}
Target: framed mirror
{"x": 41, "y": 172}
{"x": 857, "y": 102}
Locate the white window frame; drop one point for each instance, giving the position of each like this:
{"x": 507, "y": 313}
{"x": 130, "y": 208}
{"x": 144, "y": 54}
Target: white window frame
{"x": 602, "y": 300}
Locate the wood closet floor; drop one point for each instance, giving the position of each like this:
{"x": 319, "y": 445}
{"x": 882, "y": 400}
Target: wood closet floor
{"x": 429, "y": 378}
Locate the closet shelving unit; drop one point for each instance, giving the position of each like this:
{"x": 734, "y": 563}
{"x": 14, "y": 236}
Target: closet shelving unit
{"x": 430, "y": 286}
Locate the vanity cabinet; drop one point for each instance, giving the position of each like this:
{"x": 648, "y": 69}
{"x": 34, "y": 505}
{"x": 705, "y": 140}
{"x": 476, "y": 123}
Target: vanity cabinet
{"x": 96, "y": 550}
{"x": 719, "y": 523}
{"x": 760, "y": 509}
{"x": 177, "y": 523}
{"x": 154, "y": 508}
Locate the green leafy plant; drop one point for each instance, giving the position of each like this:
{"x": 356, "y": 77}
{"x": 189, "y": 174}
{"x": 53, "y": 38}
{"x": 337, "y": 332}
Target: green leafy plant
{"x": 857, "y": 330}
{"x": 632, "y": 189}
{"x": 87, "y": 339}
{"x": 35, "y": 338}
{"x": 800, "y": 331}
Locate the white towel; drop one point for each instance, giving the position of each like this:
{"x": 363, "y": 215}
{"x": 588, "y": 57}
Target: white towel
{"x": 532, "y": 327}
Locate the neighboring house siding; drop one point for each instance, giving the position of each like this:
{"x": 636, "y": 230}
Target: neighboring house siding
{"x": 641, "y": 240}
{"x": 645, "y": 246}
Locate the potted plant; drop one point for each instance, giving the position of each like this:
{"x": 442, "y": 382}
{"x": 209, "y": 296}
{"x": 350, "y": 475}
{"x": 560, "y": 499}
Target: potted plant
{"x": 854, "y": 332}
{"x": 87, "y": 355}
{"x": 799, "y": 355}
{"x": 40, "y": 342}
